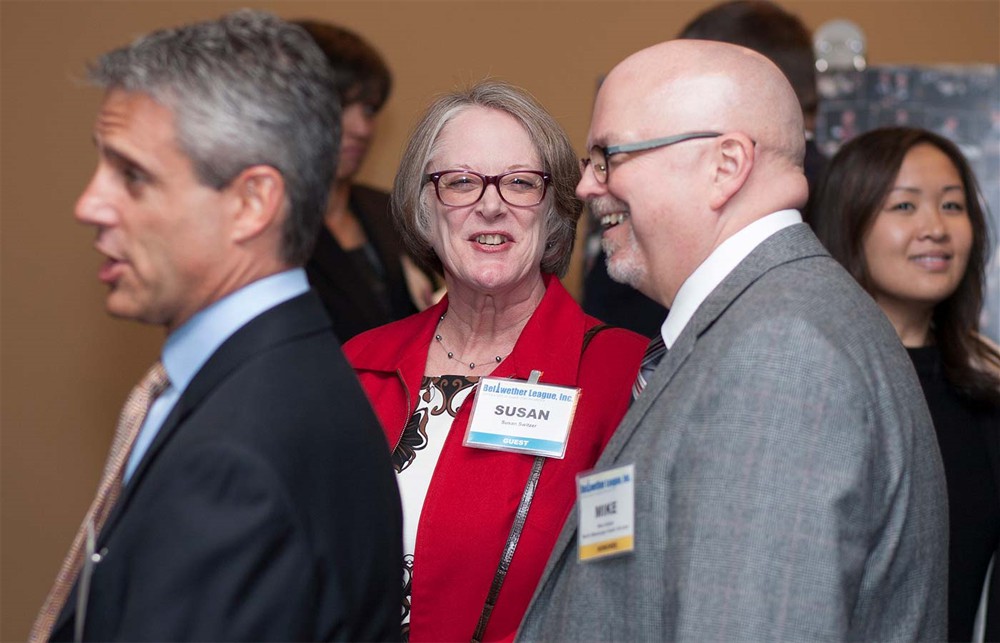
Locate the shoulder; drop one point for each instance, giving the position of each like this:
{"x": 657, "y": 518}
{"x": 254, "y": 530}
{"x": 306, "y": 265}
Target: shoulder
{"x": 988, "y": 357}
{"x": 391, "y": 340}
{"x": 603, "y": 338}
{"x": 610, "y": 356}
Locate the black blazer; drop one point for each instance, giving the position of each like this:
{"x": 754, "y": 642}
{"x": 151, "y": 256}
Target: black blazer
{"x": 265, "y": 508}
{"x": 348, "y": 298}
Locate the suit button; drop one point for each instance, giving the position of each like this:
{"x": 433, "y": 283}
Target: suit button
{"x": 97, "y": 557}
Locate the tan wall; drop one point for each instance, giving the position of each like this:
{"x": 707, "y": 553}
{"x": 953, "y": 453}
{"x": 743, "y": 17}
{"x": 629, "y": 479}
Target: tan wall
{"x": 66, "y": 367}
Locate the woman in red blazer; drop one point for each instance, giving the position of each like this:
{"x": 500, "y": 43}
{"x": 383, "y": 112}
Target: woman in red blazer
{"x": 485, "y": 194}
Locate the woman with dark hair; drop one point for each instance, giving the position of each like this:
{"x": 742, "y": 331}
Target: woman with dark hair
{"x": 486, "y": 193}
{"x": 901, "y": 210}
{"x": 359, "y": 266}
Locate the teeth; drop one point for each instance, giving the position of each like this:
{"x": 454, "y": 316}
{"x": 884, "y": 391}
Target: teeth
{"x": 611, "y": 220}
{"x": 490, "y": 239}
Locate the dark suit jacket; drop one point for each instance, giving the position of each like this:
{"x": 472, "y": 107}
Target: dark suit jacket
{"x": 788, "y": 484}
{"x": 265, "y": 508}
{"x": 347, "y": 296}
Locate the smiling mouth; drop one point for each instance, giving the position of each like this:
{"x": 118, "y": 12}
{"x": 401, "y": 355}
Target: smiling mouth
{"x": 609, "y": 221}
{"x": 932, "y": 260}
{"x": 491, "y": 239}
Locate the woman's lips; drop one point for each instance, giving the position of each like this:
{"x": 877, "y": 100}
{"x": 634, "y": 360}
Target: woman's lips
{"x": 935, "y": 261}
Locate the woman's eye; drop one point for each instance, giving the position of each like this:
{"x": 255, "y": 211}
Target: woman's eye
{"x": 461, "y": 182}
{"x": 953, "y": 206}
{"x": 903, "y": 206}
{"x": 521, "y": 182}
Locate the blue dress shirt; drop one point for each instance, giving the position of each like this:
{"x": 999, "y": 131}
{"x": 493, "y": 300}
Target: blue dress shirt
{"x": 189, "y": 347}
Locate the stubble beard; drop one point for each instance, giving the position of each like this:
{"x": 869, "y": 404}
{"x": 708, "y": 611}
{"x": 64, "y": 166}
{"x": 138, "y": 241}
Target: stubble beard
{"x": 623, "y": 261}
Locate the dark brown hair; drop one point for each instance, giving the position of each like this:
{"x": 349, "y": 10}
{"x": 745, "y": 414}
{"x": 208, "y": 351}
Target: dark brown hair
{"x": 850, "y": 195}
{"x": 769, "y": 30}
{"x": 360, "y": 72}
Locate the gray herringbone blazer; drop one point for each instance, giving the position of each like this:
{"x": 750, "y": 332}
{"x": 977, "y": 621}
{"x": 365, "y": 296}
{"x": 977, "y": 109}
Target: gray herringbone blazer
{"x": 788, "y": 481}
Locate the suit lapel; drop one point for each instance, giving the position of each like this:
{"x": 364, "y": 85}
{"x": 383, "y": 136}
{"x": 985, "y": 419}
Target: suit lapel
{"x": 296, "y": 317}
{"x": 789, "y": 244}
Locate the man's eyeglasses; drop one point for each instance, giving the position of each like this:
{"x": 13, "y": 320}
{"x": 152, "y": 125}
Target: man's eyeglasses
{"x": 599, "y": 154}
{"x": 521, "y": 188}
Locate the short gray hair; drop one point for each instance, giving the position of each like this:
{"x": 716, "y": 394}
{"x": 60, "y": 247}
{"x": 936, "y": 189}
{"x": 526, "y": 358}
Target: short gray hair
{"x": 247, "y": 89}
{"x": 410, "y": 206}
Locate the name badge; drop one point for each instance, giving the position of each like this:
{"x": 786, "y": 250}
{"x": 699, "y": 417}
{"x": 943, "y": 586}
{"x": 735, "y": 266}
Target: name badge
{"x": 522, "y": 417}
{"x": 606, "y": 504}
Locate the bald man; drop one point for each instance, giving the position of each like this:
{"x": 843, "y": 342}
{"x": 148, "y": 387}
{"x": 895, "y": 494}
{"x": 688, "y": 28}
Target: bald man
{"x": 786, "y": 481}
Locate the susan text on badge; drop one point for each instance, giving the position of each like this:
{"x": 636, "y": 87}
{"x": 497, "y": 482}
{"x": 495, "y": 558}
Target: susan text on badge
{"x": 521, "y": 412}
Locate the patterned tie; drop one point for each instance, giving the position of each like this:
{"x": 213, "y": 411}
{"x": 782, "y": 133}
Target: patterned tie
{"x": 650, "y": 359}
{"x": 129, "y": 422}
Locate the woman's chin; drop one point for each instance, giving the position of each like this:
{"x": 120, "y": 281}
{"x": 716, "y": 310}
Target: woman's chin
{"x": 498, "y": 280}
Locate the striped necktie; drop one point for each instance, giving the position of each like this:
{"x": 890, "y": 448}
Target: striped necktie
{"x": 132, "y": 416}
{"x": 650, "y": 359}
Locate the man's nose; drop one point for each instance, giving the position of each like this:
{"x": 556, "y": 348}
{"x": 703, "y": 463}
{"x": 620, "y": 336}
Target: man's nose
{"x": 589, "y": 186}
{"x": 93, "y": 207}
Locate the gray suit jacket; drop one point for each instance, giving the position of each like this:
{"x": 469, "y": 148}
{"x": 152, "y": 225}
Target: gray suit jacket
{"x": 788, "y": 481}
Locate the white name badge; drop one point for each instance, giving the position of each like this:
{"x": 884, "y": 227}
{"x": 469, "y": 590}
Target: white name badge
{"x": 606, "y": 504}
{"x": 523, "y": 417}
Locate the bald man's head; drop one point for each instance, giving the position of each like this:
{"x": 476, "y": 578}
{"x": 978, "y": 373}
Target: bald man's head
{"x": 666, "y": 208}
{"x": 699, "y": 84}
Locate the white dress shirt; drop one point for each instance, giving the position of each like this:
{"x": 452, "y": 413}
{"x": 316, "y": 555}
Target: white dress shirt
{"x": 717, "y": 267}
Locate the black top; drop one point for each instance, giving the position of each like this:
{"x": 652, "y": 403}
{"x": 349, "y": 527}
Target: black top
{"x": 365, "y": 288}
{"x": 969, "y": 437}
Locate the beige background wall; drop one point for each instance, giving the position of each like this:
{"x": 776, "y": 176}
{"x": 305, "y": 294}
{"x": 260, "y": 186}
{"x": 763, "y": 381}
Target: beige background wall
{"x": 66, "y": 367}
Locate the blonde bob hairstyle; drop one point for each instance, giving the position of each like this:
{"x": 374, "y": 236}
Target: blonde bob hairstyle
{"x": 412, "y": 195}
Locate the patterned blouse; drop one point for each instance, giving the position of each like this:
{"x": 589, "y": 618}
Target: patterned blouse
{"x": 439, "y": 401}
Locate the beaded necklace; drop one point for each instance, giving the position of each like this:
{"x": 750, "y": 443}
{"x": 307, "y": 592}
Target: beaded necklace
{"x": 451, "y": 355}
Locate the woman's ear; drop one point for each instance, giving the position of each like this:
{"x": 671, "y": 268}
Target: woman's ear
{"x": 259, "y": 192}
{"x": 735, "y": 154}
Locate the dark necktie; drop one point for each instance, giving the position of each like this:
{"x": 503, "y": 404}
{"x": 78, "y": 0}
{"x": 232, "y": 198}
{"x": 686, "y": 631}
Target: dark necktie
{"x": 129, "y": 422}
{"x": 650, "y": 360}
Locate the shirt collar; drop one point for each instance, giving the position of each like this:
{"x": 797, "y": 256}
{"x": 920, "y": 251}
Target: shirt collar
{"x": 697, "y": 287}
{"x": 189, "y": 347}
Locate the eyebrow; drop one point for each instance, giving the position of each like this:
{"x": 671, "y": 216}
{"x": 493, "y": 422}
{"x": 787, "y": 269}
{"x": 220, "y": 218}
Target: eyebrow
{"x": 120, "y": 159}
{"x": 913, "y": 190}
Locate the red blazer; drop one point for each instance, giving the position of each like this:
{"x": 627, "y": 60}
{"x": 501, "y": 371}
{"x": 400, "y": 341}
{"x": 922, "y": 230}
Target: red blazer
{"x": 474, "y": 494}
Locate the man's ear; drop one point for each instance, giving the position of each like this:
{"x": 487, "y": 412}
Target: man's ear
{"x": 735, "y": 154}
{"x": 259, "y": 191}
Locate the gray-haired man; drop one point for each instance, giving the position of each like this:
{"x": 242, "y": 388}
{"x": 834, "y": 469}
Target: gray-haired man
{"x": 254, "y": 500}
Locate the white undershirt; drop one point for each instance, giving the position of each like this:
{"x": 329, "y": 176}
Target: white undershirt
{"x": 717, "y": 267}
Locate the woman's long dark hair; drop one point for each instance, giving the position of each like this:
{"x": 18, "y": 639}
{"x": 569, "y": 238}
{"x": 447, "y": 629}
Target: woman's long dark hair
{"x": 850, "y": 195}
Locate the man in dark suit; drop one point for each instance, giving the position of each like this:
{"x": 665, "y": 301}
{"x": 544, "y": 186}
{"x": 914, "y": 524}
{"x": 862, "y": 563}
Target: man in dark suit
{"x": 786, "y": 481}
{"x": 258, "y": 501}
